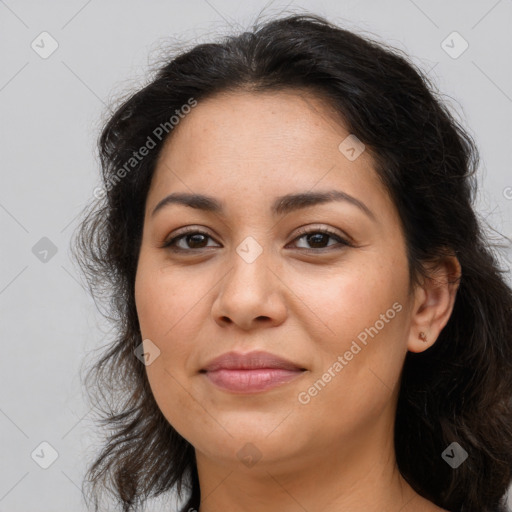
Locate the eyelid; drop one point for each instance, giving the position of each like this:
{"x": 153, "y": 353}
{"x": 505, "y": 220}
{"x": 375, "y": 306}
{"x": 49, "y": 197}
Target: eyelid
{"x": 343, "y": 239}
{"x": 182, "y": 233}
{"x": 318, "y": 228}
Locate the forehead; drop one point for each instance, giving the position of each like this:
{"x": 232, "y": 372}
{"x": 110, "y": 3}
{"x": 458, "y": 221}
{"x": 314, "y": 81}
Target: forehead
{"x": 267, "y": 142}
{"x": 245, "y": 125}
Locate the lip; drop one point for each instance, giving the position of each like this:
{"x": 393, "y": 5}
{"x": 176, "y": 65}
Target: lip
{"x": 251, "y": 372}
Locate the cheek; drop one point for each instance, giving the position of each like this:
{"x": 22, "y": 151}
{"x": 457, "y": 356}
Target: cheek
{"x": 167, "y": 303}
{"x": 171, "y": 314}
{"x": 353, "y": 299}
{"x": 176, "y": 400}
{"x": 365, "y": 312}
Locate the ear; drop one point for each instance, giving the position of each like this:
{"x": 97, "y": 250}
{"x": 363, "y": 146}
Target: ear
{"x": 433, "y": 304}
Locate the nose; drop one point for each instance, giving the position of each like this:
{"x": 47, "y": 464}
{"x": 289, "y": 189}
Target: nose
{"x": 251, "y": 294}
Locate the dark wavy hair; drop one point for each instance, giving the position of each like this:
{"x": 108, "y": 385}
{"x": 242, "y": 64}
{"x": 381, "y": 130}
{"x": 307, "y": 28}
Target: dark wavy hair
{"x": 460, "y": 389}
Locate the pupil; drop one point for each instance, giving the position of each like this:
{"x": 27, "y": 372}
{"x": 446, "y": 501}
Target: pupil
{"x": 318, "y": 236}
{"x": 191, "y": 237}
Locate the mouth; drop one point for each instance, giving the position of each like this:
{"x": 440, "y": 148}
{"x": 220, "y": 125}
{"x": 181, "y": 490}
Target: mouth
{"x": 252, "y": 372}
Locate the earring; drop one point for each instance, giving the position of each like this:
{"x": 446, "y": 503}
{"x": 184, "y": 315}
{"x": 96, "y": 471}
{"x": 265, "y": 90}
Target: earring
{"x": 423, "y": 337}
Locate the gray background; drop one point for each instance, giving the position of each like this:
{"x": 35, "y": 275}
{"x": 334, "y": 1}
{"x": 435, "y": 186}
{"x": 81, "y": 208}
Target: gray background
{"x": 51, "y": 111}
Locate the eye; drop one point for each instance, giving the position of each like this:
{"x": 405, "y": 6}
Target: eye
{"x": 318, "y": 237}
{"x": 193, "y": 239}
{"x": 191, "y": 236}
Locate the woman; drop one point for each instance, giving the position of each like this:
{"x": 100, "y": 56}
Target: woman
{"x": 308, "y": 315}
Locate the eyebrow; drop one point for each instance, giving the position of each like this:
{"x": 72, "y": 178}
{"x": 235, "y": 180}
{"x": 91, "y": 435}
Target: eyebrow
{"x": 282, "y": 205}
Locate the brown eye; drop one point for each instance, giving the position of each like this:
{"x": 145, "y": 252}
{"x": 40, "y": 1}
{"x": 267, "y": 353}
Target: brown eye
{"x": 192, "y": 239}
{"x": 319, "y": 239}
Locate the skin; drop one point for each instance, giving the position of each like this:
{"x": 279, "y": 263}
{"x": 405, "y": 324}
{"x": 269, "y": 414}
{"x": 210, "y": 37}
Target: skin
{"x": 336, "y": 452}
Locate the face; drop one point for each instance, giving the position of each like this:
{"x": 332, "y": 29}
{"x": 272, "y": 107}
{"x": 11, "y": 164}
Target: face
{"x": 321, "y": 284}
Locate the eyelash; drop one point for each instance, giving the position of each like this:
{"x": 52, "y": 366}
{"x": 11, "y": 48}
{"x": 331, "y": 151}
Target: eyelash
{"x": 170, "y": 244}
